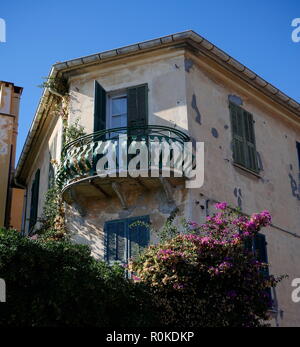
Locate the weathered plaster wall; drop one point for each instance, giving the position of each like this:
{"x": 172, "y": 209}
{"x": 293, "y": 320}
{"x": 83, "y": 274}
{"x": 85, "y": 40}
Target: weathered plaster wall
{"x": 164, "y": 75}
{"x": 9, "y": 116}
{"x": 17, "y": 208}
{"x": 6, "y": 128}
{"x": 89, "y": 229}
{"x": 42, "y": 162}
{"x": 207, "y": 95}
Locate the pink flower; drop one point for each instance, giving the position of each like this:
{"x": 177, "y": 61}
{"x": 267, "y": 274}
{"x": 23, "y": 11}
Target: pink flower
{"x": 261, "y": 219}
{"x": 250, "y": 227}
{"x": 221, "y": 205}
{"x": 205, "y": 239}
{"x": 135, "y": 278}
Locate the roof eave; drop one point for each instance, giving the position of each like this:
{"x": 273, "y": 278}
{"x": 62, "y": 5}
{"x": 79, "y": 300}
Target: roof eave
{"x": 202, "y": 44}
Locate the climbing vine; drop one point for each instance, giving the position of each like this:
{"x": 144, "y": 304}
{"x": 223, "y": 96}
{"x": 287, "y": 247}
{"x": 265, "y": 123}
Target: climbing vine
{"x": 52, "y": 221}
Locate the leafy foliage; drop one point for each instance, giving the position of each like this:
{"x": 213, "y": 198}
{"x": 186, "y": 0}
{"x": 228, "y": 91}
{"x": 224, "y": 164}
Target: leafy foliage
{"x": 74, "y": 131}
{"x": 58, "y": 283}
{"x": 58, "y": 84}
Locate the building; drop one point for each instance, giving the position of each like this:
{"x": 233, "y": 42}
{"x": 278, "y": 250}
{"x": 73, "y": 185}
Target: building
{"x": 11, "y": 196}
{"x": 178, "y": 87}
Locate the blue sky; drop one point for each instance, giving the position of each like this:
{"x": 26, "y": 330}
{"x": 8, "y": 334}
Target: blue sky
{"x": 40, "y": 33}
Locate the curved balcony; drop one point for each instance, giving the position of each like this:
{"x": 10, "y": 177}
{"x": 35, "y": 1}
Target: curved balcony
{"x": 80, "y": 178}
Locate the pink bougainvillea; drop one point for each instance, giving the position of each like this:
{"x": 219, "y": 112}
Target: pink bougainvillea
{"x": 204, "y": 275}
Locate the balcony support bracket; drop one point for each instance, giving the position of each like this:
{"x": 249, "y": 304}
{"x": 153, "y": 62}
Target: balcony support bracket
{"x": 117, "y": 188}
{"x": 168, "y": 189}
{"x": 100, "y": 190}
{"x": 78, "y": 202}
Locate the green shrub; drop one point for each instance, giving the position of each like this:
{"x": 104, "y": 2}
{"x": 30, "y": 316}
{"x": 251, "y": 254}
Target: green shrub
{"x": 58, "y": 283}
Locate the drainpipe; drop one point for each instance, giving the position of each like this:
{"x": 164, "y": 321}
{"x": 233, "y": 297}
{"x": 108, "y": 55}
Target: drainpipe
{"x": 55, "y": 93}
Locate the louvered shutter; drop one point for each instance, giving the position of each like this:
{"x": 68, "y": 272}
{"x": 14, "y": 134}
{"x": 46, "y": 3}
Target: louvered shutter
{"x": 244, "y": 149}
{"x": 137, "y": 106}
{"x": 34, "y": 200}
{"x": 251, "y": 157}
{"x": 260, "y": 246}
{"x": 248, "y": 244}
{"x": 116, "y": 249}
{"x": 99, "y": 107}
{"x": 298, "y": 152}
{"x": 237, "y": 124}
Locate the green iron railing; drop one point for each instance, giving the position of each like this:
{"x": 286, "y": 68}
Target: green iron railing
{"x": 79, "y": 157}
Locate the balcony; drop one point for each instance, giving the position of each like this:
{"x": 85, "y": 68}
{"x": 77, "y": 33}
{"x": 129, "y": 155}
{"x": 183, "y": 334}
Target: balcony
{"x": 79, "y": 175}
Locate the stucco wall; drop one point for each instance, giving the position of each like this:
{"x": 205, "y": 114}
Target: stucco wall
{"x": 89, "y": 229}
{"x": 42, "y": 162}
{"x": 276, "y": 144}
{"x": 164, "y": 75}
{"x": 6, "y": 127}
{"x": 9, "y": 115}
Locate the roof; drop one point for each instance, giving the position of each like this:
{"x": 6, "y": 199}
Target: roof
{"x": 190, "y": 36}
{"x": 17, "y": 89}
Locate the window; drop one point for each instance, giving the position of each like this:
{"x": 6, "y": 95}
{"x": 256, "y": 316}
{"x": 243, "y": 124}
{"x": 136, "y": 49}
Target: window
{"x": 34, "y": 200}
{"x": 127, "y": 109}
{"x": 117, "y": 116}
{"x": 126, "y": 238}
{"x": 258, "y": 246}
{"x": 244, "y": 149}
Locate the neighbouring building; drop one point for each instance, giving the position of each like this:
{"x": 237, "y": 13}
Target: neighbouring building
{"x": 176, "y": 88}
{"x": 11, "y": 196}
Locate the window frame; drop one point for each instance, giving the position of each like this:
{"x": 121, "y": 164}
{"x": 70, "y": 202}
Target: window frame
{"x": 128, "y": 237}
{"x": 109, "y": 97}
{"x": 246, "y": 163}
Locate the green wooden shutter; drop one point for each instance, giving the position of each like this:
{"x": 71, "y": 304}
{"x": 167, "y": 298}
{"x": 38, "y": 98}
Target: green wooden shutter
{"x": 237, "y": 121}
{"x": 260, "y": 246}
{"x": 116, "y": 249}
{"x": 298, "y": 152}
{"x": 251, "y": 157}
{"x": 34, "y": 200}
{"x": 248, "y": 244}
{"x": 124, "y": 239}
{"x": 137, "y": 106}
{"x": 244, "y": 149}
{"x": 139, "y": 235}
{"x": 99, "y": 108}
